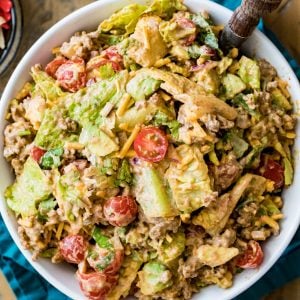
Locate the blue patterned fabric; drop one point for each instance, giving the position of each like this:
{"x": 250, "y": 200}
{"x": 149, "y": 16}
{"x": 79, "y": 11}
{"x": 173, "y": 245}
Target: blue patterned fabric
{"x": 29, "y": 285}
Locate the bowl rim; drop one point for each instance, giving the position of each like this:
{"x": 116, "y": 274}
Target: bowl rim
{"x": 236, "y": 290}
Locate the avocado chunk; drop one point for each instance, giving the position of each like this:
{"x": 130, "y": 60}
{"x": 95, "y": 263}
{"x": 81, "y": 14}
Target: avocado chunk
{"x": 140, "y": 86}
{"x": 154, "y": 278}
{"x": 151, "y": 193}
{"x": 31, "y": 187}
{"x": 249, "y": 72}
{"x": 233, "y": 85}
{"x": 97, "y": 141}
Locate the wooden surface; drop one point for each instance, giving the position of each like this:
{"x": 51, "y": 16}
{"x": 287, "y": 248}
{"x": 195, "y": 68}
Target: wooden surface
{"x": 39, "y": 15}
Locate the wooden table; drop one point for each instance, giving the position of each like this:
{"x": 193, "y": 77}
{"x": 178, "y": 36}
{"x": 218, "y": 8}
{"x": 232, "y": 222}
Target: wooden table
{"x": 39, "y": 15}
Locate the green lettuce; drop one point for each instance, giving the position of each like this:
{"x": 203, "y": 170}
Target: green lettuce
{"x": 162, "y": 119}
{"x": 124, "y": 174}
{"x": 165, "y": 8}
{"x": 249, "y": 72}
{"x": 51, "y": 159}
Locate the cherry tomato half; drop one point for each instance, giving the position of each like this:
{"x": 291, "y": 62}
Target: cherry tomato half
{"x": 274, "y": 171}
{"x": 252, "y": 257}
{"x": 53, "y": 65}
{"x": 96, "y": 285}
{"x": 106, "y": 261}
{"x": 73, "y": 248}
{"x": 120, "y": 210}
{"x": 36, "y": 153}
{"x": 71, "y": 75}
{"x": 186, "y": 23}
{"x": 151, "y": 144}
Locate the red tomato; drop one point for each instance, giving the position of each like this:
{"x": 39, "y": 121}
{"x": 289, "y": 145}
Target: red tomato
{"x": 113, "y": 55}
{"x": 186, "y": 23}
{"x": 105, "y": 260}
{"x": 96, "y": 285}
{"x": 52, "y": 67}
{"x": 252, "y": 257}
{"x": 151, "y": 144}
{"x": 36, "y": 153}
{"x": 120, "y": 210}
{"x": 73, "y": 248}
{"x": 274, "y": 171}
{"x": 71, "y": 75}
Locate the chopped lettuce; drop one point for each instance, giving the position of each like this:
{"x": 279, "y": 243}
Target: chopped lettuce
{"x": 240, "y": 101}
{"x": 31, "y": 187}
{"x": 162, "y": 119}
{"x": 110, "y": 39}
{"x": 239, "y": 145}
{"x": 189, "y": 181}
{"x": 124, "y": 21}
{"x": 46, "y": 205}
{"x": 140, "y": 86}
{"x": 51, "y": 159}
{"x": 233, "y": 85}
{"x": 280, "y": 100}
{"x": 127, "y": 275}
{"x": 168, "y": 251}
{"x": 215, "y": 256}
{"x": 151, "y": 193}
{"x": 154, "y": 278}
{"x": 165, "y": 8}
{"x": 101, "y": 240}
{"x": 124, "y": 174}
{"x": 224, "y": 64}
{"x": 249, "y": 72}
{"x": 46, "y": 86}
{"x": 207, "y": 35}
{"x": 288, "y": 171}
{"x": 50, "y": 135}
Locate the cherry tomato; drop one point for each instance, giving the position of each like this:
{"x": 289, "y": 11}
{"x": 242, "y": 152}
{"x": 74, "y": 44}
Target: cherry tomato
{"x": 120, "y": 210}
{"x": 186, "y": 23}
{"x": 71, "y": 75}
{"x": 52, "y": 66}
{"x": 105, "y": 260}
{"x": 151, "y": 144}
{"x": 73, "y": 248}
{"x": 96, "y": 285}
{"x": 36, "y": 153}
{"x": 252, "y": 257}
{"x": 113, "y": 55}
{"x": 274, "y": 171}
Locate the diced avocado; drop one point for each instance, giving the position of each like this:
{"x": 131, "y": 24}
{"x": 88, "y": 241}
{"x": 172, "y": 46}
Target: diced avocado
{"x": 288, "y": 171}
{"x": 140, "y": 86}
{"x": 168, "y": 251}
{"x": 249, "y": 72}
{"x": 233, "y": 85}
{"x": 31, "y": 187}
{"x": 189, "y": 181}
{"x": 85, "y": 105}
{"x": 106, "y": 71}
{"x": 127, "y": 275}
{"x": 46, "y": 86}
{"x": 97, "y": 141}
{"x": 280, "y": 100}
{"x": 239, "y": 145}
{"x": 50, "y": 135}
{"x": 215, "y": 256}
{"x": 151, "y": 193}
{"x": 224, "y": 64}
{"x": 154, "y": 278}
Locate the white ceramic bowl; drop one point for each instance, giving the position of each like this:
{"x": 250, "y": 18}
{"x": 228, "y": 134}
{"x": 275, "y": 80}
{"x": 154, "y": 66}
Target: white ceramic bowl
{"x": 87, "y": 18}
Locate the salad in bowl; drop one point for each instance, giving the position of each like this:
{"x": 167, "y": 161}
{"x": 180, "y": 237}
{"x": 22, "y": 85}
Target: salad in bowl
{"x": 148, "y": 158}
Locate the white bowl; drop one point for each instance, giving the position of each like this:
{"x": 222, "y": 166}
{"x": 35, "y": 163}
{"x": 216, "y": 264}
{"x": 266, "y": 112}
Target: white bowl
{"x": 87, "y": 18}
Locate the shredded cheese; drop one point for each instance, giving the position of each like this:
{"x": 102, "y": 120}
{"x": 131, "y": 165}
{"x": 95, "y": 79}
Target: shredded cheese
{"x": 161, "y": 62}
{"x": 59, "y": 230}
{"x": 125, "y": 101}
{"x": 165, "y": 96}
{"x": 130, "y": 140}
{"x": 74, "y": 145}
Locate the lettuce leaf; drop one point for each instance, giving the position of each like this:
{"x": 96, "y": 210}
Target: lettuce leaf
{"x": 165, "y": 8}
{"x": 124, "y": 20}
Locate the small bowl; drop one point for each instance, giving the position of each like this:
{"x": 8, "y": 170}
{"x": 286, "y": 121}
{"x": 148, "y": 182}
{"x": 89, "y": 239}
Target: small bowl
{"x": 12, "y": 37}
{"x": 87, "y": 18}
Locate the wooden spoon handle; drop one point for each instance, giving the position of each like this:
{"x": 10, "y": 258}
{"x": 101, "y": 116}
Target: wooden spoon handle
{"x": 244, "y": 20}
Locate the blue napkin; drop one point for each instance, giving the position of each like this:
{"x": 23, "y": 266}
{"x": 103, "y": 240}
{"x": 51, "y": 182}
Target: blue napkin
{"x": 29, "y": 285}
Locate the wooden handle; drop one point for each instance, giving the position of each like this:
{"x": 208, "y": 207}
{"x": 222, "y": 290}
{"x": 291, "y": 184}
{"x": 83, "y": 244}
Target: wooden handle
{"x": 244, "y": 20}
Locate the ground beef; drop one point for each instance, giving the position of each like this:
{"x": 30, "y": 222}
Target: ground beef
{"x": 267, "y": 71}
{"x": 162, "y": 226}
{"x": 226, "y": 173}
